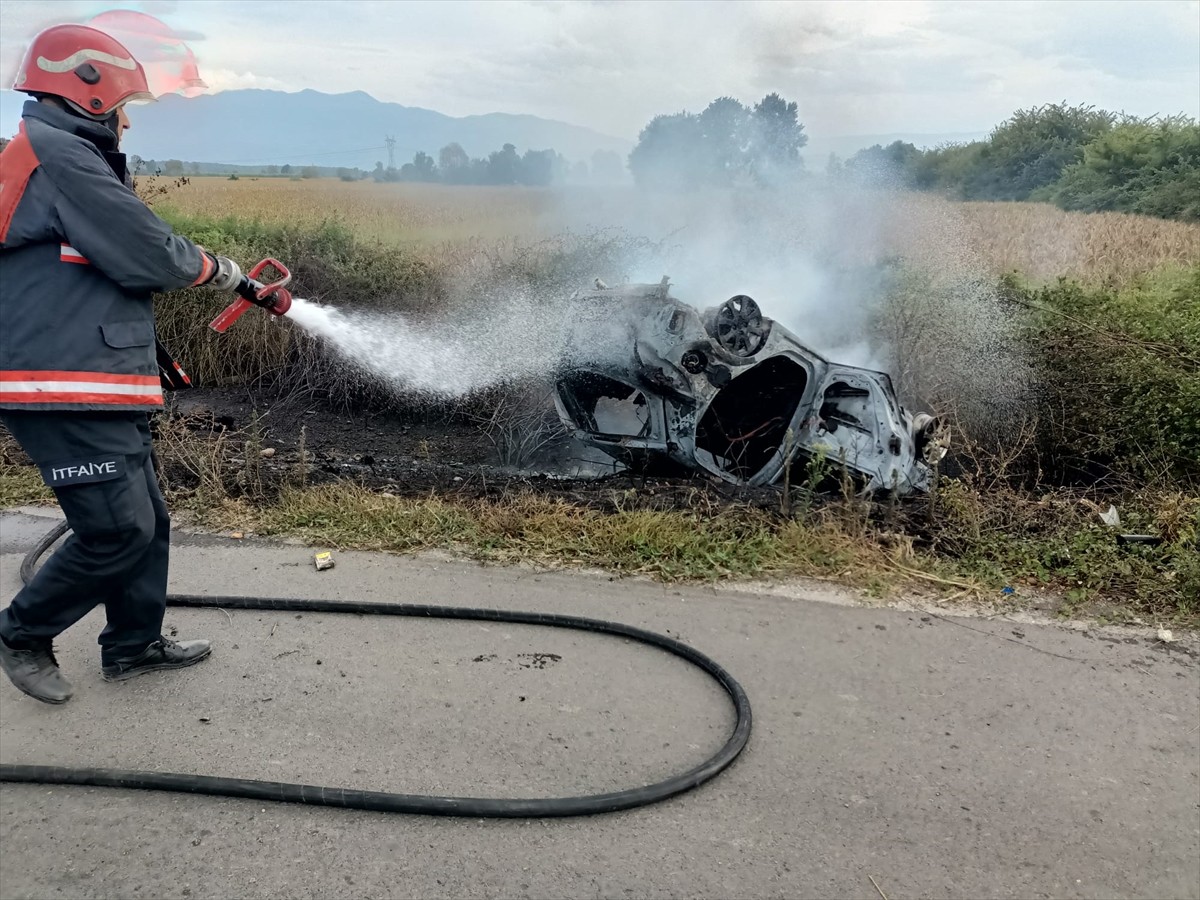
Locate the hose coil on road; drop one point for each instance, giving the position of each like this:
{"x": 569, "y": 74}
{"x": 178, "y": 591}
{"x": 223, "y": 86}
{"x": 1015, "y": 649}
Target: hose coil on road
{"x": 415, "y": 804}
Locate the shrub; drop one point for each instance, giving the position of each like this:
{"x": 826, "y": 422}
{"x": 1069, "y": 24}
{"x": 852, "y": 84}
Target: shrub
{"x": 1118, "y": 376}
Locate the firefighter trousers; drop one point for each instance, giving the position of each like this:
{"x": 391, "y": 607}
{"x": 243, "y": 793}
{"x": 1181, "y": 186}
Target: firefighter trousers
{"x": 100, "y": 469}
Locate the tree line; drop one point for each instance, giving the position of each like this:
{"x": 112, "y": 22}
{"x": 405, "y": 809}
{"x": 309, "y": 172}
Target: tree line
{"x": 534, "y": 168}
{"x": 1077, "y": 157}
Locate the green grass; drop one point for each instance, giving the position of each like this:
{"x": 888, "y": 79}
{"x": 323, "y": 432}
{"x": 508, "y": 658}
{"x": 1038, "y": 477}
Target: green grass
{"x": 1062, "y": 553}
{"x": 669, "y": 545}
{"x": 1056, "y": 544}
{"x": 1058, "y": 541}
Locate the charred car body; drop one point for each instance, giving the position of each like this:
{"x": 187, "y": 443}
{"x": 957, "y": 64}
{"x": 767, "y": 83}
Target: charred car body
{"x": 656, "y": 384}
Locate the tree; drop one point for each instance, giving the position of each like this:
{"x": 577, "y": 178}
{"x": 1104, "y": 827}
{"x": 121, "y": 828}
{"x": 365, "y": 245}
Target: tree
{"x": 560, "y": 168}
{"x": 537, "y": 168}
{"x": 310, "y": 172}
{"x": 422, "y": 168}
{"x": 777, "y": 136}
{"x": 503, "y": 166}
{"x": 668, "y": 152}
{"x": 1031, "y": 149}
{"x": 477, "y": 173}
{"x": 272, "y": 170}
{"x": 947, "y": 167}
{"x": 725, "y": 140}
{"x": 454, "y": 164}
{"x": 1142, "y": 166}
{"x": 890, "y": 166}
{"x": 173, "y": 168}
{"x": 286, "y": 169}
{"x": 724, "y": 145}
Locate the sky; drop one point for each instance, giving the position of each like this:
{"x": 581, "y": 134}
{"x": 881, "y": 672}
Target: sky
{"x": 854, "y": 67}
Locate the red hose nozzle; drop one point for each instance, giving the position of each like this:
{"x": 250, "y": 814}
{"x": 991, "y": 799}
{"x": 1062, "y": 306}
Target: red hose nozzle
{"x": 272, "y": 297}
{"x": 281, "y": 302}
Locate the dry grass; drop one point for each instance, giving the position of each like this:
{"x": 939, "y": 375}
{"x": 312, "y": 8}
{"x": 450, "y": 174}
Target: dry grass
{"x": 395, "y": 213}
{"x": 1040, "y": 241}
{"x": 701, "y": 544}
{"x": 1044, "y": 242}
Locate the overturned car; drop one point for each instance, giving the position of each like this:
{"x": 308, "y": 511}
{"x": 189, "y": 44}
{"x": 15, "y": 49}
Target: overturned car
{"x": 656, "y": 384}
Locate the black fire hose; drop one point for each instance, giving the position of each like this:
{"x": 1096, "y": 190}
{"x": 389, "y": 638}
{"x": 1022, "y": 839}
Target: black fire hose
{"x": 416, "y": 804}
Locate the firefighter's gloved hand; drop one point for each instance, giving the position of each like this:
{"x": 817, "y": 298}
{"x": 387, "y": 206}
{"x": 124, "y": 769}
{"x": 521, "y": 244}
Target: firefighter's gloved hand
{"x": 227, "y": 275}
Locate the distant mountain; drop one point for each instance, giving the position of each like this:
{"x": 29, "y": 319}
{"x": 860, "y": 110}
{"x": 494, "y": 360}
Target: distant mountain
{"x": 254, "y": 127}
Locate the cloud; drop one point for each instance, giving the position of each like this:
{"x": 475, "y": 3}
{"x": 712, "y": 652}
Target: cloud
{"x": 893, "y": 66}
{"x": 230, "y": 80}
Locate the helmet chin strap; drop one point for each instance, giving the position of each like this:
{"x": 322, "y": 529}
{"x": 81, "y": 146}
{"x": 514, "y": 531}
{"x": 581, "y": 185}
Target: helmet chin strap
{"x": 109, "y": 120}
{"x": 102, "y": 118}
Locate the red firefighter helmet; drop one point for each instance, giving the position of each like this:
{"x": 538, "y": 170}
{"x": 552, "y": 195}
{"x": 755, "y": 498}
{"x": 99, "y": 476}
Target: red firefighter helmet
{"x": 84, "y": 66}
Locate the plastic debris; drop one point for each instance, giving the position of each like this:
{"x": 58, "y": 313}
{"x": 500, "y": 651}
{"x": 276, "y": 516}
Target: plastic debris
{"x": 1148, "y": 539}
{"x": 1008, "y": 590}
{"x": 1111, "y": 517}
{"x": 1165, "y": 635}
{"x": 323, "y": 561}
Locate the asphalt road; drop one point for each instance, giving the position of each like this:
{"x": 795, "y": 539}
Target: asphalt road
{"x": 941, "y": 758}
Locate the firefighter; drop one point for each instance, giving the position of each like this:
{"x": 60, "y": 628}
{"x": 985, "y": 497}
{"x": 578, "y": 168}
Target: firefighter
{"x": 80, "y": 258}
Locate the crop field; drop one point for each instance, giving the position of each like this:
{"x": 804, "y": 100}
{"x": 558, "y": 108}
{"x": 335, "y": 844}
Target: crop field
{"x": 394, "y": 213}
{"x": 1037, "y": 240}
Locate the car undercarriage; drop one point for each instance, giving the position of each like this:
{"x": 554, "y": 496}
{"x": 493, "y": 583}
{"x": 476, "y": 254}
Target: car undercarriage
{"x": 656, "y": 384}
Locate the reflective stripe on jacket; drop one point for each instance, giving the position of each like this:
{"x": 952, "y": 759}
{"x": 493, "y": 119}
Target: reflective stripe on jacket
{"x": 80, "y": 259}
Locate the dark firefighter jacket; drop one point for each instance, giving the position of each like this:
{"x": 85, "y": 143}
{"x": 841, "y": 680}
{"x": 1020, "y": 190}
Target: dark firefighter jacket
{"x": 80, "y": 258}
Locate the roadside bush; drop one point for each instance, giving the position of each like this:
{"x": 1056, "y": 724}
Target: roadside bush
{"x": 1118, "y": 377}
{"x": 1058, "y": 540}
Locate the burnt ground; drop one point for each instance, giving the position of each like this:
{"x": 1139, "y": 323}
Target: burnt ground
{"x": 422, "y": 450}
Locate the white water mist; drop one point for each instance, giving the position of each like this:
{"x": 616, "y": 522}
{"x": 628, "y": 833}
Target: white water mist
{"x": 507, "y": 339}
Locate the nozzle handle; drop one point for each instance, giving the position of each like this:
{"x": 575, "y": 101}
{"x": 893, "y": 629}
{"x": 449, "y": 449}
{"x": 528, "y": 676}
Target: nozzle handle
{"x": 273, "y": 297}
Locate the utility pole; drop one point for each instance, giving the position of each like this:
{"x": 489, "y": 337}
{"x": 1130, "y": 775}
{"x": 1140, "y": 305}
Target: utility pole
{"x": 391, "y": 149}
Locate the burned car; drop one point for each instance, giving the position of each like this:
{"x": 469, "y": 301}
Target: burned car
{"x": 656, "y": 384}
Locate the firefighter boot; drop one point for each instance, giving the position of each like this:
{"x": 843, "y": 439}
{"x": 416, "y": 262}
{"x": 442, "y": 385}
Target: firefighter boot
{"x": 161, "y": 654}
{"x": 34, "y": 670}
